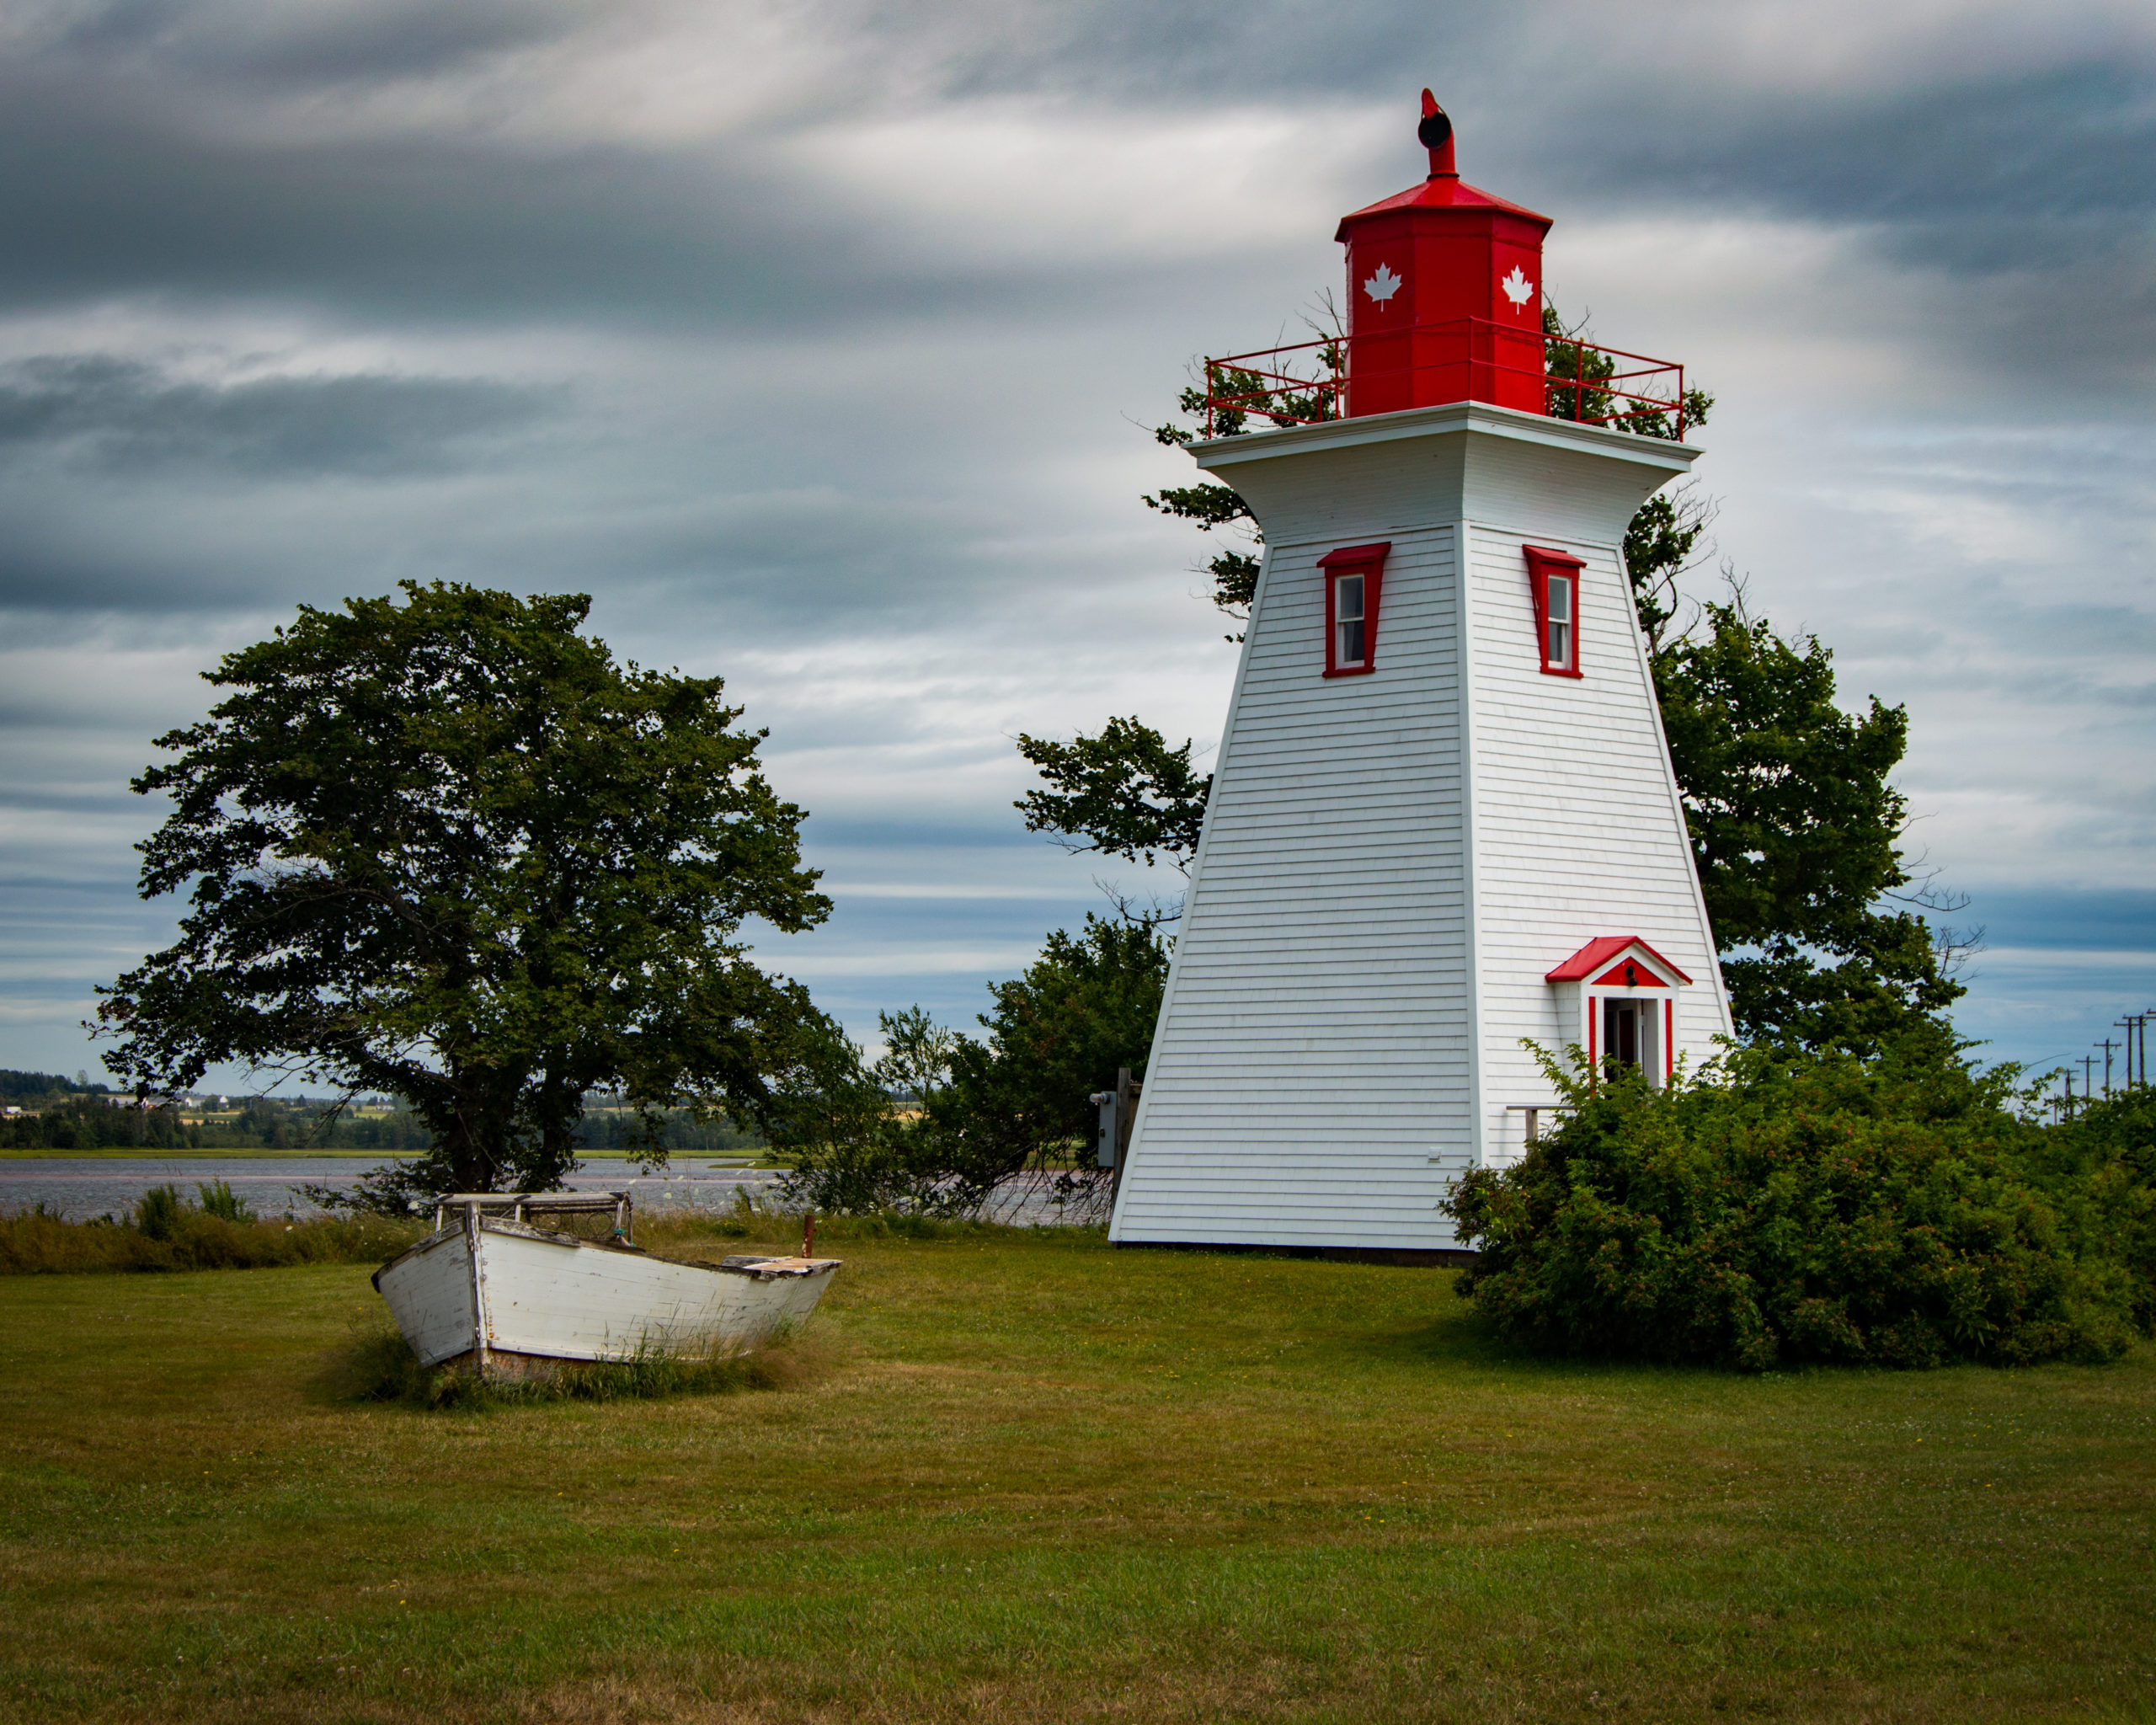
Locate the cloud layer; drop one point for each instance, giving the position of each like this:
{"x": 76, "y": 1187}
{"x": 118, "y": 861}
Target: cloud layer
{"x": 816, "y": 342}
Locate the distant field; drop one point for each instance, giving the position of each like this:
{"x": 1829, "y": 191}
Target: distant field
{"x": 1027, "y": 1477}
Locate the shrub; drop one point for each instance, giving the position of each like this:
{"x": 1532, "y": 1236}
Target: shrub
{"x": 37, "y": 1243}
{"x": 991, "y": 1109}
{"x": 1781, "y": 1210}
{"x": 219, "y": 1200}
{"x": 2101, "y": 1166}
{"x": 157, "y": 1213}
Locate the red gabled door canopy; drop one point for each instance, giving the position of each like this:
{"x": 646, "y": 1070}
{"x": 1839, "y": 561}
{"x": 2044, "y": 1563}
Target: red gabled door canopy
{"x": 1444, "y": 292}
{"x": 1612, "y": 955}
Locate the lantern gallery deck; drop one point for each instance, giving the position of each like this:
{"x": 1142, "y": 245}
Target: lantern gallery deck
{"x": 489, "y": 1290}
{"x": 1470, "y": 359}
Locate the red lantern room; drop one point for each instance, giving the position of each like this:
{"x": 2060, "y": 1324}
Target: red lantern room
{"x": 1444, "y": 293}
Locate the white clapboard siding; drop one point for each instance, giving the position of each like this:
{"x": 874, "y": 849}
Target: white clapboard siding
{"x": 1339, "y": 1037}
{"x": 1578, "y": 829}
{"x": 1312, "y": 1058}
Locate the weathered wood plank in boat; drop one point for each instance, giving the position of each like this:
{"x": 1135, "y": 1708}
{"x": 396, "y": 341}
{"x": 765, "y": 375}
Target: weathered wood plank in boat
{"x": 433, "y": 1302}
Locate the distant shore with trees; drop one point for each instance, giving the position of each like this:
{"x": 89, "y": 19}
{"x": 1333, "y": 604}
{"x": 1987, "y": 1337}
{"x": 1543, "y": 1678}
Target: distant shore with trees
{"x": 50, "y": 1114}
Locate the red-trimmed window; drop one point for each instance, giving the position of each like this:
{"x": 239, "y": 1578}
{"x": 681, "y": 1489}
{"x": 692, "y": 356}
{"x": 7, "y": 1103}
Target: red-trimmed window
{"x": 1553, "y": 577}
{"x": 1354, "y": 577}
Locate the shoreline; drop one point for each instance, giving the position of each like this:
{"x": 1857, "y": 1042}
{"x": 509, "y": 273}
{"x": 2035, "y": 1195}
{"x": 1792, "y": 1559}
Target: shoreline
{"x": 152, "y": 1153}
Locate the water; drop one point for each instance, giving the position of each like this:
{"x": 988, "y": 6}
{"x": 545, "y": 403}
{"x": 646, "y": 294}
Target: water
{"x": 83, "y": 1188}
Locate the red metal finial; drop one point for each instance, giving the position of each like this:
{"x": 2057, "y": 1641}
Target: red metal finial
{"x": 1436, "y": 133}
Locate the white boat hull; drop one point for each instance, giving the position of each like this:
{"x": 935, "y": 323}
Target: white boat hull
{"x": 517, "y": 1300}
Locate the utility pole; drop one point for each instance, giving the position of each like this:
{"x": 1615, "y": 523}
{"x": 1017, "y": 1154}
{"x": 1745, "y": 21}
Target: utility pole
{"x": 2127, "y": 1024}
{"x": 2107, "y": 1045}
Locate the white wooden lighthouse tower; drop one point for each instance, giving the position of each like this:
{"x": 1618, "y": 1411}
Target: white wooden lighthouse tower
{"x": 1443, "y": 817}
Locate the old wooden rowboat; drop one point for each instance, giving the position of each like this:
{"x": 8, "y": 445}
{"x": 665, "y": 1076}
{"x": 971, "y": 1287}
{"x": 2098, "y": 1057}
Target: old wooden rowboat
{"x": 492, "y": 1289}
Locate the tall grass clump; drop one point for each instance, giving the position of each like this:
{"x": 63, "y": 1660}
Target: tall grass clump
{"x": 381, "y": 1368}
{"x": 167, "y": 1233}
{"x": 1783, "y": 1209}
{"x": 664, "y": 1230}
{"x": 157, "y": 1212}
{"x": 218, "y": 1199}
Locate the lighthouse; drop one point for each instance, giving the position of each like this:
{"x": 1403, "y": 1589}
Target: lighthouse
{"x": 1443, "y": 823}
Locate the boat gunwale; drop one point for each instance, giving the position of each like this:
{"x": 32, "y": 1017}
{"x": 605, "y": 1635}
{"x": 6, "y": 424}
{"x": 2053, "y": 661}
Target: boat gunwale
{"x": 760, "y": 1268}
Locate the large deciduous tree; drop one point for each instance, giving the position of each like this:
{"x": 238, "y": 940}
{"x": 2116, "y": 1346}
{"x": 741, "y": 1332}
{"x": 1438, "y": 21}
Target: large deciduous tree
{"x": 1796, "y": 834}
{"x": 450, "y": 850}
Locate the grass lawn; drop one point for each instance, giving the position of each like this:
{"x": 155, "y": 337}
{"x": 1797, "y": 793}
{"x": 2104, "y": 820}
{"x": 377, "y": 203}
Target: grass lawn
{"x": 1029, "y": 1477}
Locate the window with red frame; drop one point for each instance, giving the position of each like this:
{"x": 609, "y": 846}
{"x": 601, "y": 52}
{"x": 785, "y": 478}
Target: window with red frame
{"x": 1354, "y": 579}
{"x": 1553, "y": 579}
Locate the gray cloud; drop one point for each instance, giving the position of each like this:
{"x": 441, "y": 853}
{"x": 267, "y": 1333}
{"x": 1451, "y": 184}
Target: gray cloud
{"x": 126, "y": 416}
{"x": 1978, "y": 173}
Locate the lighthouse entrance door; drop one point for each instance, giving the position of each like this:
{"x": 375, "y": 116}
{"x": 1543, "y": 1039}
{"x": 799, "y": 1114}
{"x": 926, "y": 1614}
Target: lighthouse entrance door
{"x": 1631, "y": 1034}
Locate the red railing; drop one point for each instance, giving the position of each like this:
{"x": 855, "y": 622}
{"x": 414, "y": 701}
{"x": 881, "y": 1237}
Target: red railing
{"x": 1469, "y": 359}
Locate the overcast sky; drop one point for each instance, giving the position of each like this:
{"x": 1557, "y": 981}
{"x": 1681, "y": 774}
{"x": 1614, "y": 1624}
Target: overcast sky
{"x": 815, "y": 341}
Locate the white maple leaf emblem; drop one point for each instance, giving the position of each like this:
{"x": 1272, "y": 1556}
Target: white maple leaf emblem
{"x": 1518, "y": 288}
{"x": 1383, "y": 286}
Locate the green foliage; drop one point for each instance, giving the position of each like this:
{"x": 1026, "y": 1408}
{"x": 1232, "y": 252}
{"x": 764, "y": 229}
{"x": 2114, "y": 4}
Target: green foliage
{"x": 604, "y": 1128}
{"x": 450, "y": 851}
{"x": 1826, "y": 1209}
{"x": 157, "y": 1212}
{"x": 853, "y": 1154}
{"x": 1582, "y": 387}
{"x": 988, "y": 1110}
{"x": 218, "y": 1199}
{"x": 1056, "y": 1035}
{"x": 2101, "y": 1161}
{"x": 187, "y": 1238}
{"x": 1210, "y": 506}
{"x": 917, "y": 1054}
{"x": 91, "y": 1122}
{"x": 1659, "y": 544}
{"x": 20, "y": 1088}
{"x": 1123, "y": 793}
{"x": 1796, "y": 833}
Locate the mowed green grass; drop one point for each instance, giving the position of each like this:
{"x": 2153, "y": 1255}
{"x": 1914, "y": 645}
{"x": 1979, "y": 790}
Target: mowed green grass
{"x": 1031, "y": 1478}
